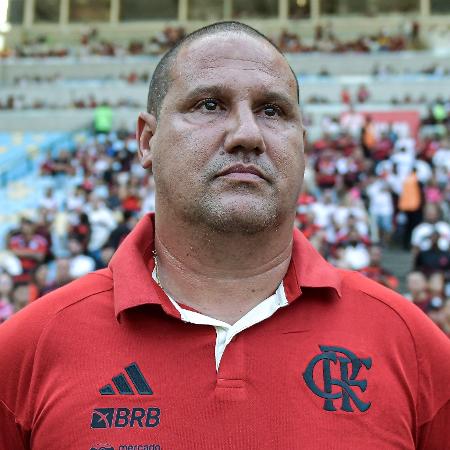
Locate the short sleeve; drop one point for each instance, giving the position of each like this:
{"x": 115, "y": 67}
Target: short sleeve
{"x": 433, "y": 406}
{"x": 435, "y": 434}
{"x": 11, "y": 434}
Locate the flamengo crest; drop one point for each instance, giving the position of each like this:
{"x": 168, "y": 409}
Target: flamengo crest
{"x": 347, "y": 384}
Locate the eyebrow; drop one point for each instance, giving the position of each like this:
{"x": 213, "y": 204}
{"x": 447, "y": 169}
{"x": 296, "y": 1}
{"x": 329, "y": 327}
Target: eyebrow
{"x": 202, "y": 90}
{"x": 279, "y": 97}
{"x": 217, "y": 90}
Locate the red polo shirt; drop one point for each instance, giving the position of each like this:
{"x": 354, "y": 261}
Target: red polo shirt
{"x": 105, "y": 362}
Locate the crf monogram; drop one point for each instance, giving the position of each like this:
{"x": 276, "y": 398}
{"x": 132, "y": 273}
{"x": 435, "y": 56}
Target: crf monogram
{"x": 350, "y": 366}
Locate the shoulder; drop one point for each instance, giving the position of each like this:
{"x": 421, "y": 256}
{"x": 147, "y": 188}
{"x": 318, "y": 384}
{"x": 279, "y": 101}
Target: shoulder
{"x": 20, "y": 335}
{"x": 391, "y": 309}
{"x": 407, "y": 333}
{"x": 357, "y": 286}
{"x": 24, "y": 328}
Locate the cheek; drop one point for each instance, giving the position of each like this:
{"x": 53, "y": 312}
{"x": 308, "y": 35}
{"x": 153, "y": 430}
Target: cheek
{"x": 183, "y": 149}
{"x": 288, "y": 155}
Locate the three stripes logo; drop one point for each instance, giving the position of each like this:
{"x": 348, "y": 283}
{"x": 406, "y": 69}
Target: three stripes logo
{"x": 126, "y": 417}
{"x": 122, "y": 385}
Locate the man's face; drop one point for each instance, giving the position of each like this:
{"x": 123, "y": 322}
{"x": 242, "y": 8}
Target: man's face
{"x": 228, "y": 146}
{"x": 417, "y": 283}
{"x": 27, "y": 228}
{"x": 375, "y": 255}
{"x": 431, "y": 213}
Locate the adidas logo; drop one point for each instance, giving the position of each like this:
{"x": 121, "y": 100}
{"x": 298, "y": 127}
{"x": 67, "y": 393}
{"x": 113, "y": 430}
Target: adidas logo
{"x": 123, "y": 386}
{"x": 123, "y": 417}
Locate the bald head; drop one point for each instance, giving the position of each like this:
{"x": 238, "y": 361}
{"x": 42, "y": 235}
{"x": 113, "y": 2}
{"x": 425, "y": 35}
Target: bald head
{"x": 162, "y": 76}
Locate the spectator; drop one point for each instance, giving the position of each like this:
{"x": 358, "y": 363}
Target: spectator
{"x": 60, "y": 272}
{"x": 47, "y": 166}
{"x": 375, "y": 271}
{"x": 103, "y": 118}
{"x": 79, "y": 263}
{"x": 21, "y": 296}
{"x": 410, "y": 202}
{"x": 352, "y": 122}
{"x": 326, "y": 170}
{"x": 441, "y": 317}
{"x": 434, "y": 259}
{"x": 345, "y": 96}
{"x": 102, "y": 222}
{"x": 382, "y": 210}
{"x": 31, "y": 248}
{"x": 42, "y": 283}
{"x": 421, "y": 236}
{"x": 49, "y": 203}
{"x": 353, "y": 253}
{"x": 323, "y": 210}
{"x": 418, "y": 290}
{"x": 354, "y": 221}
{"x": 76, "y": 199}
{"x": 363, "y": 94}
{"x": 132, "y": 200}
{"x": 121, "y": 231}
{"x": 433, "y": 193}
{"x": 62, "y": 164}
{"x": 436, "y": 288}
{"x": 382, "y": 148}
{"x": 81, "y": 230}
{"x": 368, "y": 137}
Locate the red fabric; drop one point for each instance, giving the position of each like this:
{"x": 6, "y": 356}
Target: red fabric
{"x": 59, "y": 351}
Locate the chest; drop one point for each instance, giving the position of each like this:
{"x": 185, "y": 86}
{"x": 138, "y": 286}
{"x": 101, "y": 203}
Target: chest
{"x": 281, "y": 384}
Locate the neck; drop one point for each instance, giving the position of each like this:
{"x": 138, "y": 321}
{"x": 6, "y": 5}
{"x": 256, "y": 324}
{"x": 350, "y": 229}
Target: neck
{"x": 218, "y": 274}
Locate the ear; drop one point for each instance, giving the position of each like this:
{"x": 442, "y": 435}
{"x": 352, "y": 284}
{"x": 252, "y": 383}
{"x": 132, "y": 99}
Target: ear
{"x": 304, "y": 137}
{"x": 305, "y": 133}
{"x": 145, "y": 130}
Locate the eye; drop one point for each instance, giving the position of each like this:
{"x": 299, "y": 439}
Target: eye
{"x": 209, "y": 104}
{"x": 272, "y": 110}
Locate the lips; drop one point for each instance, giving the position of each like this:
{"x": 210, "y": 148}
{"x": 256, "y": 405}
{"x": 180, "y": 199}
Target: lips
{"x": 243, "y": 169}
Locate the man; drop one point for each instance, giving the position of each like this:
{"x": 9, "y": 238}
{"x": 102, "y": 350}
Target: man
{"x": 375, "y": 270}
{"x": 215, "y": 326}
{"x": 434, "y": 259}
{"x": 30, "y": 247}
{"x": 421, "y": 235}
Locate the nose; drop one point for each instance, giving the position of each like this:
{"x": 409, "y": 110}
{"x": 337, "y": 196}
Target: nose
{"x": 243, "y": 132}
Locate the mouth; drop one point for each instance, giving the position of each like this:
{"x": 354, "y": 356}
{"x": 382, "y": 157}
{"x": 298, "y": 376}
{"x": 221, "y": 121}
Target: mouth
{"x": 242, "y": 172}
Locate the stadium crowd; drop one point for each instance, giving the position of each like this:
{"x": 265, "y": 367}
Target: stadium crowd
{"x": 367, "y": 188}
{"x": 21, "y": 102}
{"x": 325, "y": 40}
{"x": 133, "y": 77}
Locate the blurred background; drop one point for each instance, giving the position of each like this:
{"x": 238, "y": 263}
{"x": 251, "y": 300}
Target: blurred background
{"x": 375, "y": 96}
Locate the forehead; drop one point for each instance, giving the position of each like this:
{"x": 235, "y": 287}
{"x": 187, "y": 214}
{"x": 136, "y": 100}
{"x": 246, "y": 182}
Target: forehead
{"x": 240, "y": 60}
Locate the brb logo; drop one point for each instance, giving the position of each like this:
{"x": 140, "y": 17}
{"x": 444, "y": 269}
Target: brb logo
{"x": 344, "y": 386}
{"x": 125, "y": 417}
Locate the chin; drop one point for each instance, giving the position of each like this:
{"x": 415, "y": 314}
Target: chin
{"x": 240, "y": 216}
